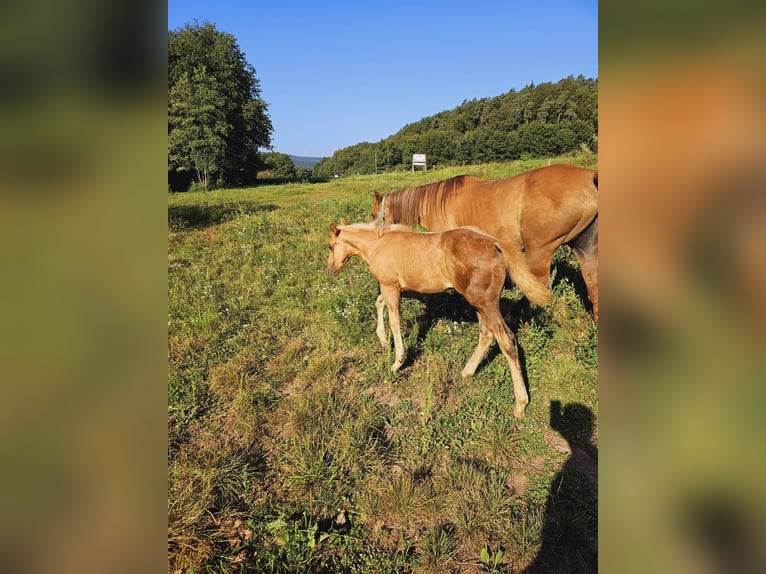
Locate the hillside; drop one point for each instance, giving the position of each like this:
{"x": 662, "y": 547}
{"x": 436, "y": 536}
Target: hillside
{"x": 306, "y": 162}
{"x": 540, "y": 121}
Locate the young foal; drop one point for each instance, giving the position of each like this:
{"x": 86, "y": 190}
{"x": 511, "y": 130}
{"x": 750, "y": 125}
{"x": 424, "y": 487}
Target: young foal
{"x": 465, "y": 259}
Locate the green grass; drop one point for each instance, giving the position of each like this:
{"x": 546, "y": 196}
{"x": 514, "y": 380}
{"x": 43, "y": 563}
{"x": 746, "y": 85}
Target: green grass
{"x": 293, "y": 448}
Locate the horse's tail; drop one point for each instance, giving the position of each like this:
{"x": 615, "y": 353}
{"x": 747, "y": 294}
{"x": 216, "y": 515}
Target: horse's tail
{"x": 520, "y": 274}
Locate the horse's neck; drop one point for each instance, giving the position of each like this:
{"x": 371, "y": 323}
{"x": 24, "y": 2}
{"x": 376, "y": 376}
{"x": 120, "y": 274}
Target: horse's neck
{"x": 362, "y": 242}
{"x": 404, "y": 208}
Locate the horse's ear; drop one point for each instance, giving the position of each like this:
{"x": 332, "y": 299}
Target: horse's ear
{"x": 343, "y": 221}
{"x": 334, "y": 229}
{"x": 377, "y": 196}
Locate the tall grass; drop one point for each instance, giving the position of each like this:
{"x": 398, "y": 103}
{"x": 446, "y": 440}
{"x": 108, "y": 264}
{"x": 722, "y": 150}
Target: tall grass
{"x": 293, "y": 448}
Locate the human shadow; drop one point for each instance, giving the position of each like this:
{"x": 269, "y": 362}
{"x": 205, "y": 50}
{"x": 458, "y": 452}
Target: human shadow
{"x": 570, "y": 530}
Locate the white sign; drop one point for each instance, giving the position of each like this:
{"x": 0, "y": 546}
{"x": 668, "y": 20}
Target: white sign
{"x": 419, "y": 158}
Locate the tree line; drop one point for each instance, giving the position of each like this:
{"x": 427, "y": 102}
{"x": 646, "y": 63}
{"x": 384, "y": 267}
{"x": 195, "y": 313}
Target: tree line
{"x": 537, "y": 121}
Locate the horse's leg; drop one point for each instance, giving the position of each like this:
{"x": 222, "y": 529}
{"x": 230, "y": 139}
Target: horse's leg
{"x": 539, "y": 262}
{"x": 585, "y": 249}
{"x": 391, "y": 295}
{"x": 507, "y": 342}
{"x": 380, "y": 329}
{"x": 486, "y": 338}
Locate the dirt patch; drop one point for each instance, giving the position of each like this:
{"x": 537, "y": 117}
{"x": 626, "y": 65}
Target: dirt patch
{"x": 557, "y": 442}
{"x": 383, "y": 393}
{"x": 517, "y": 483}
{"x": 535, "y": 465}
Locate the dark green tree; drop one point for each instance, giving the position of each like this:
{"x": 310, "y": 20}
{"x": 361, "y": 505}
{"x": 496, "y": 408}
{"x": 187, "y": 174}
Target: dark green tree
{"x": 279, "y": 164}
{"x": 217, "y": 119}
{"x": 198, "y": 127}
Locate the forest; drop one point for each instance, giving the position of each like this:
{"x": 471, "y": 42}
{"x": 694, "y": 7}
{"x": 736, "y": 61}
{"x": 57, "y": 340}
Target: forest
{"x": 546, "y": 120}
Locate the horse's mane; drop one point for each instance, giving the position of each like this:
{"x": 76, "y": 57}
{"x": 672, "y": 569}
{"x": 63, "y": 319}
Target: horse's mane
{"x": 404, "y": 205}
{"x": 373, "y": 226}
{"x": 393, "y": 227}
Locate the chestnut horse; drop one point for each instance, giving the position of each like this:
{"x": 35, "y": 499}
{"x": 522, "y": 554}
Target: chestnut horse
{"x": 465, "y": 259}
{"x": 541, "y": 209}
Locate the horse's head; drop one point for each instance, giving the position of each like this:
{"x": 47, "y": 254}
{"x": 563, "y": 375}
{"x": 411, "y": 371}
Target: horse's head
{"x": 340, "y": 251}
{"x": 378, "y": 201}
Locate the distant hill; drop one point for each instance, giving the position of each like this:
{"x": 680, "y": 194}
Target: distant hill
{"x": 307, "y": 162}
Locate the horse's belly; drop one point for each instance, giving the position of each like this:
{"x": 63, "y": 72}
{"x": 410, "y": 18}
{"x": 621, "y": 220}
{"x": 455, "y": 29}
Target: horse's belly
{"x": 424, "y": 283}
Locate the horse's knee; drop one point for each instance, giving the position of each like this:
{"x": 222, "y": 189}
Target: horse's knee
{"x": 520, "y": 409}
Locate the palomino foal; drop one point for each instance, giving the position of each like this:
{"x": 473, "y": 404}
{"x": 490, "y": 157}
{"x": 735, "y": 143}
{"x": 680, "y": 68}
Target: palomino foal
{"x": 465, "y": 259}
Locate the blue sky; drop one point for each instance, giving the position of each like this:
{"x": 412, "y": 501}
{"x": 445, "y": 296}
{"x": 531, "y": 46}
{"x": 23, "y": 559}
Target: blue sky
{"x": 338, "y": 73}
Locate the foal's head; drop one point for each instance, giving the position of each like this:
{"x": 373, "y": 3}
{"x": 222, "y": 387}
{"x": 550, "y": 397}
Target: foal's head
{"x": 340, "y": 251}
{"x": 377, "y": 202}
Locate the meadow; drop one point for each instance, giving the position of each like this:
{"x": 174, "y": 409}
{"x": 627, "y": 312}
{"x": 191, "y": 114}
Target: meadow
{"x": 292, "y": 447}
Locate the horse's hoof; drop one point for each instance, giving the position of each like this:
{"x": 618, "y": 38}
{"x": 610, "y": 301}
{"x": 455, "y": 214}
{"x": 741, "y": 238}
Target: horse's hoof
{"x": 395, "y": 367}
{"x": 518, "y": 413}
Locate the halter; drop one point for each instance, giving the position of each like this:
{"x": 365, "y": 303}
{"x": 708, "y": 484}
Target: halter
{"x": 383, "y": 209}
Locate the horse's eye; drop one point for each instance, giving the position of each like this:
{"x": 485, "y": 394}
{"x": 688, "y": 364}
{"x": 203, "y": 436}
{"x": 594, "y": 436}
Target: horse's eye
{"x": 329, "y": 247}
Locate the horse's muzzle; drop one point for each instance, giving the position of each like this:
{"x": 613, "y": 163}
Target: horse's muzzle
{"x": 332, "y": 271}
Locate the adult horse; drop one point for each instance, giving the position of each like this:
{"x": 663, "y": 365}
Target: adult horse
{"x": 466, "y": 259}
{"x": 541, "y": 209}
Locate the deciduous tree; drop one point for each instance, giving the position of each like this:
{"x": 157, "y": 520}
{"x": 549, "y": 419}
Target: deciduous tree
{"x": 217, "y": 120}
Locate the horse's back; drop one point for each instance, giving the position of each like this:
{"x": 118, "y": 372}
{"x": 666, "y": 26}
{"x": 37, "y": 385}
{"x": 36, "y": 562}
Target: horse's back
{"x": 564, "y": 179}
{"x": 551, "y": 197}
{"x": 469, "y": 248}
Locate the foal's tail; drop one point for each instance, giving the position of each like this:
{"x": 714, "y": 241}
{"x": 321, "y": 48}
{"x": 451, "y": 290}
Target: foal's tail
{"x": 520, "y": 274}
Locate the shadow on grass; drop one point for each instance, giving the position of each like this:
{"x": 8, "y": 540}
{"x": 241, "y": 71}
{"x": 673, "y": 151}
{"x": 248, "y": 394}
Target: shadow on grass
{"x": 570, "y": 528}
{"x": 283, "y": 180}
{"x": 203, "y": 214}
{"x": 451, "y": 306}
{"x": 567, "y": 268}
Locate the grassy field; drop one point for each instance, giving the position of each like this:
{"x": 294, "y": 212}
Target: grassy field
{"x": 293, "y": 448}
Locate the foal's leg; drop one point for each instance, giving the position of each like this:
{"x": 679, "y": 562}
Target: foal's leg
{"x": 380, "y": 330}
{"x": 507, "y": 342}
{"x": 391, "y": 295}
{"x": 486, "y": 338}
